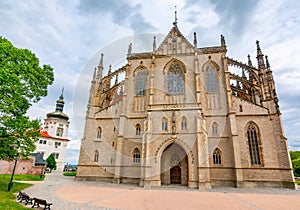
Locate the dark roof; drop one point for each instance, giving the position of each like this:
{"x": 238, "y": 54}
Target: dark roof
{"x": 39, "y": 158}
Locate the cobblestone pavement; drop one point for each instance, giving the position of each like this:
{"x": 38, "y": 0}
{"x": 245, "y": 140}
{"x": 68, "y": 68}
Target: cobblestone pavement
{"x": 65, "y": 193}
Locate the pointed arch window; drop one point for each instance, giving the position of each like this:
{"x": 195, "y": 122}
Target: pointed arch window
{"x": 96, "y": 156}
{"x": 137, "y": 129}
{"x": 211, "y": 80}
{"x": 136, "y": 156}
{"x": 141, "y": 81}
{"x": 217, "y": 157}
{"x": 184, "y": 124}
{"x": 253, "y": 144}
{"x": 215, "y": 128}
{"x": 99, "y": 133}
{"x": 175, "y": 80}
{"x": 164, "y": 124}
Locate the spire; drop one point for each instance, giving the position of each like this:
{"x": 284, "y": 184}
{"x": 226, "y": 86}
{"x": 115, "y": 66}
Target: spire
{"x": 260, "y": 57}
{"x": 223, "y": 43}
{"x": 249, "y": 61}
{"x": 100, "y": 67}
{"x": 60, "y": 102}
{"x": 195, "y": 40}
{"x": 154, "y": 44}
{"x": 175, "y": 21}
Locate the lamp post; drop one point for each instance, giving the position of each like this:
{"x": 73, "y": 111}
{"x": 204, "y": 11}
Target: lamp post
{"x": 10, "y": 184}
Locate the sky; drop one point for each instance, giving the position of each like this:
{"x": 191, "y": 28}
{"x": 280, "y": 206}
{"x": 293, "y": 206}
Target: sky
{"x": 70, "y": 35}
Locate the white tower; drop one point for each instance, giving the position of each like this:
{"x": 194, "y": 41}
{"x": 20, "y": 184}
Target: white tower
{"x": 54, "y": 134}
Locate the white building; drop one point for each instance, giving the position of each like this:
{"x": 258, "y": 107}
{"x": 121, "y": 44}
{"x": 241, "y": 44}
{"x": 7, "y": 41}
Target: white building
{"x": 54, "y": 134}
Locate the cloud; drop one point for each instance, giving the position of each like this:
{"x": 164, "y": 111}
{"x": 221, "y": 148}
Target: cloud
{"x": 122, "y": 13}
{"x": 66, "y": 34}
{"x": 234, "y": 14}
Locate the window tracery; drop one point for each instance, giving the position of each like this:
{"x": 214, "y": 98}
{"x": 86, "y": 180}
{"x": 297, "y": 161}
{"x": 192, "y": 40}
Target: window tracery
{"x": 252, "y": 134}
{"x": 215, "y": 128}
{"x": 184, "y": 124}
{"x": 136, "y": 156}
{"x": 217, "y": 158}
{"x": 211, "y": 80}
{"x": 175, "y": 80}
{"x": 141, "y": 82}
{"x": 138, "y": 129}
{"x": 99, "y": 133}
{"x": 164, "y": 124}
{"x": 96, "y": 156}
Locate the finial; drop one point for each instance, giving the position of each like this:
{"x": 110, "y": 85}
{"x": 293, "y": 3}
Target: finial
{"x": 129, "y": 49}
{"x": 267, "y": 62}
{"x": 175, "y": 21}
{"x": 109, "y": 69}
{"x": 100, "y": 67}
{"x": 223, "y": 43}
{"x": 94, "y": 76}
{"x": 116, "y": 81}
{"x": 258, "y": 48}
{"x": 101, "y": 60}
{"x": 154, "y": 44}
{"x": 195, "y": 39}
{"x": 260, "y": 57}
{"x": 61, "y": 97}
{"x": 249, "y": 61}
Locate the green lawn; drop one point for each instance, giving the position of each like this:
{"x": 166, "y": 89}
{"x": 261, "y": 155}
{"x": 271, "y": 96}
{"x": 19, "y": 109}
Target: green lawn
{"x": 8, "y": 199}
{"x": 70, "y": 174}
{"x": 298, "y": 182}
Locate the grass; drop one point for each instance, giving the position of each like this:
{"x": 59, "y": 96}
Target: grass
{"x": 8, "y": 199}
{"x": 298, "y": 181}
{"x": 70, "y": 174}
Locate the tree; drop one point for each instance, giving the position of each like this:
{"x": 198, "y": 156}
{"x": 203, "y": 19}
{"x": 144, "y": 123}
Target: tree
{"x": 18, "y": 135}
{"x": 22, "y": 83}
{"x": 51, "y": 162}
{"x": 295, "y": 157}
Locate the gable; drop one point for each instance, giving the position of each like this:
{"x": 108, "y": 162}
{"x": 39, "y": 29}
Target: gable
{"x": 175, "y": 43}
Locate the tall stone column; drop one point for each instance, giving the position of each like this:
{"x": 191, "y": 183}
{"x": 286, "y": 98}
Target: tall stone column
{"x": 119, "y": 147}
{"x": 236, "y": 151}
{"x": 203, "y": 156}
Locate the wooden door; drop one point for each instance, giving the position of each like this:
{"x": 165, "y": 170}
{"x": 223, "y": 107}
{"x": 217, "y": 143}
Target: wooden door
{"x": 175, "y": 175}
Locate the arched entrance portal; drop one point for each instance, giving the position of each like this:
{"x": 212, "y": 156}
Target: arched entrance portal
{"x": 174, "y": 165}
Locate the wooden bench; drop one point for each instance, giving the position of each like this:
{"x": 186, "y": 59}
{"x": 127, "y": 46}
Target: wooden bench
{"x": 22, "y": 196}
{"x": 19, "y": 196}
{"x": 37, "y": 202}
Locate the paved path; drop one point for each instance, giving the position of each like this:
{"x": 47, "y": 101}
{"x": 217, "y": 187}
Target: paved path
{"x": 65, "y": 193}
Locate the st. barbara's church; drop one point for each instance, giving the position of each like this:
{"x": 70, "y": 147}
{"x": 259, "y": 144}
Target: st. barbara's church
{"x": 180, "y": 116}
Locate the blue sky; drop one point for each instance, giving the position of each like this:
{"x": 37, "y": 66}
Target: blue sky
{"x": 70, "y": 34}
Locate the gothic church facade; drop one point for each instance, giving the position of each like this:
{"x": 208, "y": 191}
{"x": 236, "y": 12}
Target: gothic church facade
{"x": 181, "y": 117}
